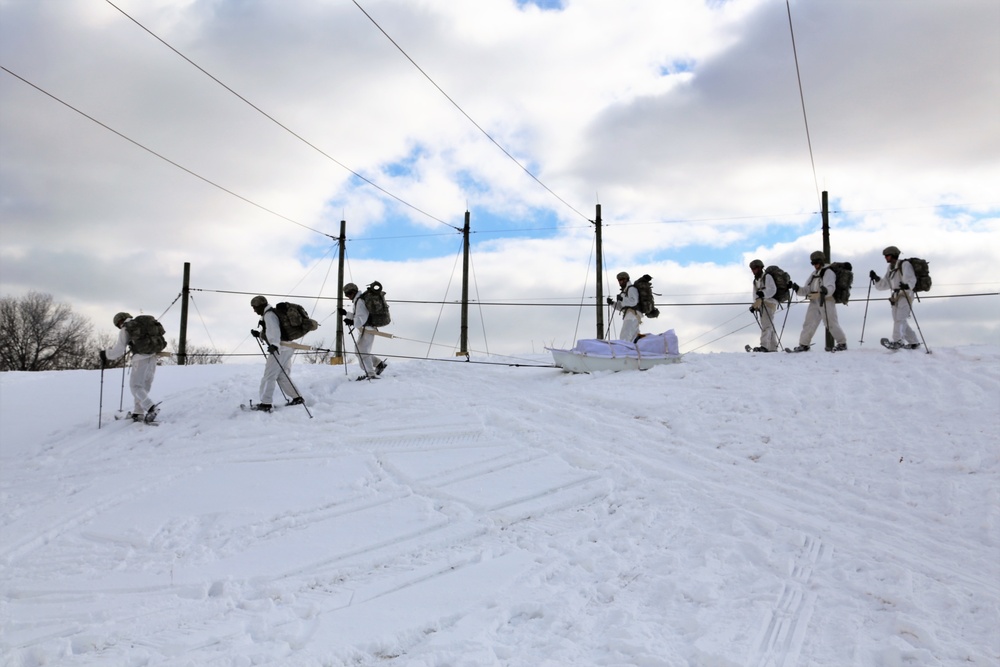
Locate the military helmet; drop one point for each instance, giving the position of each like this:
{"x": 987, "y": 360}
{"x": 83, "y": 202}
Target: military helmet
{"x": 350, "y": 288}
{"x": 120, "y": 318}
{"x": 891, "y": 250}
{"x": 817, "y": 256}
{"x": 258, "y": 302}
{"x": 623, "y": 275}
{"x": 756, "y": 264}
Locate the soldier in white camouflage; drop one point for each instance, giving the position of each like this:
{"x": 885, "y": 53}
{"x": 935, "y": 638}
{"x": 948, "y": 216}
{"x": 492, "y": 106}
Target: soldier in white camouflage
{"x": 765, "y": 304}
{"x": 900, "y": 279}
{"x": 140, "y": 380}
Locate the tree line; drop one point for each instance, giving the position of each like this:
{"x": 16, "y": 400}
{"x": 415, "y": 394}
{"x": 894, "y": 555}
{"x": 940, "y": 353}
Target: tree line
{"x": 38, "y": 334}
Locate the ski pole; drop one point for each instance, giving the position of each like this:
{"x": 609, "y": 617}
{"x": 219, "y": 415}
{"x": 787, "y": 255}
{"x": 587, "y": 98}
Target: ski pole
{"x": 770, "y": 319}
{"x": 121, "y": 399}
{"x": 291, "y": 384}
{"x": 264, "y": 352}
{"x": 865, "y": 320}
{"x": 357, "y": 351}
{"x": 100, "y": 407}
{"x": 907, "y": 295}
{"x": 788, "y": 308}
{"x": 826, "y": 318}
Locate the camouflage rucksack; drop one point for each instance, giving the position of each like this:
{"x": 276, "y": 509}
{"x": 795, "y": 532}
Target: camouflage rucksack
{"x": 294, "y": 320}
{"x": 922, "y": 271}
{"x": 646, "y": 305}
{"x": 782, "y": 282}
{"x": 145, "y": 335}
{"x": 378, "y": 309}
{"x": 845, "y": 279}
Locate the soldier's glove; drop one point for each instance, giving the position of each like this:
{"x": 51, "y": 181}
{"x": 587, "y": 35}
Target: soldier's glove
{"x": 753, "y": 309}
{"x": 873, "y": 276}
{"x": 255, "y": 333}
{"x": 795, "y": 287}
{"x": 760, "y": 294}
{"x": 619, "y": 297}
{"x": 348, "y": 321}
{"x": 342, "y": 311}
{"x": 822, "y": 290}
{"x": 104, "y": 358}
{"x": 903, "y": 286}
{"x": 610, "y": 301}
{"x": 272, "y": 349}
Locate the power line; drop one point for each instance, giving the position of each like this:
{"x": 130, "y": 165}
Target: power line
{"x": 585, "y": 304}
{"x": 462, "y": 111}
{"x": 277, "y": 122}
{"x": 802, "y": 98}
{"x": 162, "y": 157}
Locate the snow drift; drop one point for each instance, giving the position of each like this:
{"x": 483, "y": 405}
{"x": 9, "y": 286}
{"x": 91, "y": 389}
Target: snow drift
{"x": 728, "y": 510}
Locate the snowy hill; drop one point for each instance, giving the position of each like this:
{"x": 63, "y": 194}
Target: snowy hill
{"x": 729, "y": 510}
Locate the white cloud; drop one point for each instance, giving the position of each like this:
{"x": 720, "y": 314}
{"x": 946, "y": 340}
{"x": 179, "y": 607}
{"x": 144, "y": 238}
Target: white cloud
{"x": 901, "y": 101}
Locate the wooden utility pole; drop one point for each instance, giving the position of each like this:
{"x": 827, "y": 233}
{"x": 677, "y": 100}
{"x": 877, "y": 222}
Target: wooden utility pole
{"x": 464, "y": 327}
{"x": 338, "y": 350}
{"x": 185, "y": 293}
{"x": 600, "y": 275}
{"x": 826, "y": 251}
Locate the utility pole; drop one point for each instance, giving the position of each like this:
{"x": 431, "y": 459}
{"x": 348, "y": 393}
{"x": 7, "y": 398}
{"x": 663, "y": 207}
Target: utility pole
{"x": 826, "y": 251}
{"x": 185, "y": 293}
{"x": 464, "y": 327}
{"x": 338, "y": 349}
{"x": 600, "y": 275}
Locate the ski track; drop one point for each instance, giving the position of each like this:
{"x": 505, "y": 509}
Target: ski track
{"x": 446, "y": 546}
{"x": 507, "y": 501}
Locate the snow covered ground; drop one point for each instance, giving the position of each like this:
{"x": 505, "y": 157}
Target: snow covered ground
{"x": 729, "y": 510}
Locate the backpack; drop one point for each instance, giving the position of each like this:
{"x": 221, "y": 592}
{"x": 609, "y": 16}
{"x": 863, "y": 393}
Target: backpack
{"x": 646, "y": 305}
{"x": 845, "y": 278}
{"x": 378, "y": 309}
{"x": 145, "y": 335}
{"x": 923, "y": 273}
{"x": 782, "y": 281}
{"x": 294, "y": 320}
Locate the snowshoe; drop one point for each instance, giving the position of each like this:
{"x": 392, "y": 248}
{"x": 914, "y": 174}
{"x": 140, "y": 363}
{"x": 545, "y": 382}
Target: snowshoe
{"x": 381, "y": 367}
{"x": 891, "y": 344}
{"x": 257, "y": 407}
{"x": 136, "y": 418}
{"x": 298, "y": 400}
{"x": 797, "y": 348}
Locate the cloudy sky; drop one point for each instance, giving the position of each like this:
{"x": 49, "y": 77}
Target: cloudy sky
{"x": 236, "y": 135}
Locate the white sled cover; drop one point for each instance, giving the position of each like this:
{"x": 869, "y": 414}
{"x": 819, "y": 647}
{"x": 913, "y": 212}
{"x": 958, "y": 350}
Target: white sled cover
{"x": 592, "y": 355}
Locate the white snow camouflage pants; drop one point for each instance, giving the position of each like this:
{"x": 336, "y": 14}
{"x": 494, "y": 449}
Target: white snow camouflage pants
{"x": 768, "y": 334}
{"x": 141, "y": 381}
{"x": 278, "y": 369}
{"x": 368, "y": 360}
{"x": 826, "y": 314}
{"x": 901, "y": 329}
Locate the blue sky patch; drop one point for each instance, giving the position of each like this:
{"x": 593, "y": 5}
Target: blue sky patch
{"x": 677, "y": 67}
{"x": 399, "y": 239}
{"x": 556, "y": 5}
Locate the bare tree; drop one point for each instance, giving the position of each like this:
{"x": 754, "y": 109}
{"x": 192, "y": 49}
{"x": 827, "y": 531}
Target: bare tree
{"x": 104, "y": 341}
{"x": 320, "y": 355}
{"x": 37, "y": 334}
{"x": 196, "y": 355}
